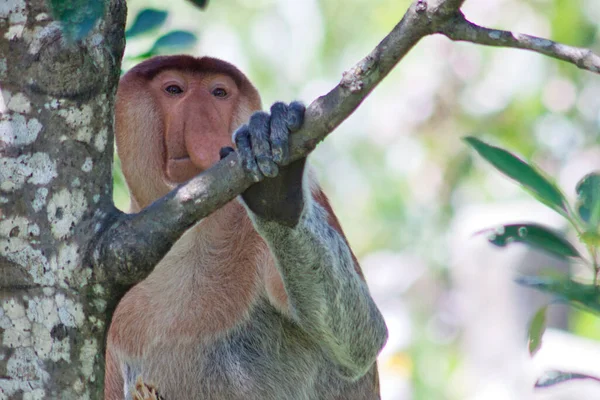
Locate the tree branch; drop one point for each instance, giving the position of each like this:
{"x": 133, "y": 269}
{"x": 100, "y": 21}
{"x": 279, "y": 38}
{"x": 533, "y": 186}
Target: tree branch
{"x": 129, "y": 246}
{"x": 461, "y": 29}
{"x": 442, "y": 7}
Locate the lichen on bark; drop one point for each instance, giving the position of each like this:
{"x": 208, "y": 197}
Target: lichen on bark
{"x": 55, "y": 173}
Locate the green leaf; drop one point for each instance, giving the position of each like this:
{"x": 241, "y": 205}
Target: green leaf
{"x": 551, "y": 378}
{"x": 537, "y": 327}
{"x": 146, "y": 21}
{"x": 588, "y": 199}
{"x": 534, "y": 235}
{"x": 172, "y": 42}
{"x": 199, "y": 3}
{"x": 578, "y": 294}
{"x": 590, "y": 238}
{"x": 521, "y": 172}
{"x": 77, "y": 17}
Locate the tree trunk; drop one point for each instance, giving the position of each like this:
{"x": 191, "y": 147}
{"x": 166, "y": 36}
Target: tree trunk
{"x": 56, "y": 153}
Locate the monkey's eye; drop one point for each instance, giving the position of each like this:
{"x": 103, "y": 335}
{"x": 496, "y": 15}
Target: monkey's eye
{"x": 219, "y": 92}
{"x": 173, "y": 89}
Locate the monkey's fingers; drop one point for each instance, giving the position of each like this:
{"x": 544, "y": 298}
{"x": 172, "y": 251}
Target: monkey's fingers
{"x": 241, "y": 138}
{"x": 280, "y": 133}
{"x": 260, "y": 127}
{"x": 225, "y": 151}
{"x": 144, "y": 391}
{"x": 295, "y": 116}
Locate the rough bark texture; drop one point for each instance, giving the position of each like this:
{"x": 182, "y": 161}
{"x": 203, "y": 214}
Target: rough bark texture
{"x": 56, "y": 148}
{"x": 66, "y": 254}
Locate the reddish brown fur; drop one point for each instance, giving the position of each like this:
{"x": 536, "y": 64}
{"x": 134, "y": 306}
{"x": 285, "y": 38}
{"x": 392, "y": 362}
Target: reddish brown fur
{"x": 212, "y": 305}
{"x": 205, "y": 285}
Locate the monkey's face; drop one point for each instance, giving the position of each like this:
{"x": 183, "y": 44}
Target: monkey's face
{"x": 198, "y": 111}
{"x": 172, "y": 116}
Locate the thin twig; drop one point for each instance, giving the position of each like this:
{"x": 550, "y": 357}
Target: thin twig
{"x": 460, "y": 29}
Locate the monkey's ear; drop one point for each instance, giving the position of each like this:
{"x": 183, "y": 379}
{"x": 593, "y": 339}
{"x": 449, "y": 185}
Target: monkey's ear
{"x": 225, "y": 151}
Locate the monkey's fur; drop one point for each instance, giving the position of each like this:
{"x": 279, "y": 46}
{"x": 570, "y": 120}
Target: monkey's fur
{"x": 262, "y": 300}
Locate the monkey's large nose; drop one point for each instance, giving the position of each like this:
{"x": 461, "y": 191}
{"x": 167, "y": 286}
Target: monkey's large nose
{"x": 205, "y": 153}
{"x": 204, "y": 142}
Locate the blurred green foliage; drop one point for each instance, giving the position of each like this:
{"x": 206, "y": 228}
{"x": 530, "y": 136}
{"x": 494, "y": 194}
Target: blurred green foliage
{"x": 584, "y": 217}
{"x": 77, "y": 17}
{"x": 146, "y": 21}
{"x": 400, "y": 179}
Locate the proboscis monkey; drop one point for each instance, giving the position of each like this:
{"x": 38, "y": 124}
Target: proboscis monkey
{"x": 261, "y": 300}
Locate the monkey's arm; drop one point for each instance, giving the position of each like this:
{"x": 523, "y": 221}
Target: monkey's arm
{"x": 326, "y": 295}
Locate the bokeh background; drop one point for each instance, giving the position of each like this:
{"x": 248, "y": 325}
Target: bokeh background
{"x": 411, "y": 195}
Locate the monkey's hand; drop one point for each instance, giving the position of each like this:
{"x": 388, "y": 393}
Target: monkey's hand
{"x": 144, "y": 391}
{"x": 263, "y": 149}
